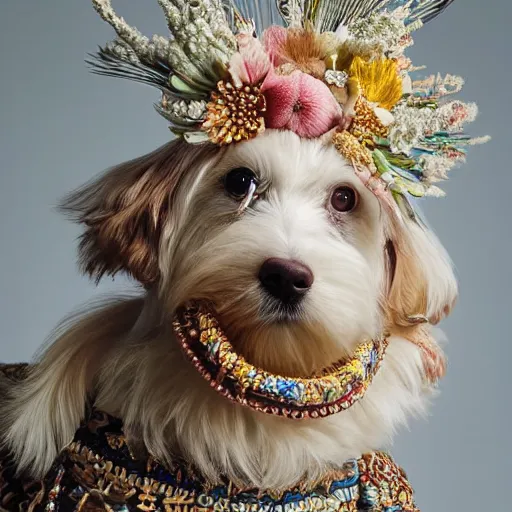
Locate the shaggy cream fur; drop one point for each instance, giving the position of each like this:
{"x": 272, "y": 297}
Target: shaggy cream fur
{"x": 123, "y": 355}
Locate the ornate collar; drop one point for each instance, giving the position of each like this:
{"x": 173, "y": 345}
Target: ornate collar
{"x": 333, "y": 390}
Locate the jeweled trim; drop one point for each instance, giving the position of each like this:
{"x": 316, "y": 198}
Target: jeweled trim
{"x": 334, "y": 390}
{"x": 97, "y": 472}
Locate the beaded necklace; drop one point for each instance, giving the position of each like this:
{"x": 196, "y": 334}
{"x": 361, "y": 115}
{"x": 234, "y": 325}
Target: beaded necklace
{"x": 333, "y": 390}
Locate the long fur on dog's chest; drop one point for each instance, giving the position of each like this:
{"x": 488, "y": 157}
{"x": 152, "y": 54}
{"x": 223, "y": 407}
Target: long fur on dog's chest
{"x": 99, "y": 471}
{"x": 147, "y": 389}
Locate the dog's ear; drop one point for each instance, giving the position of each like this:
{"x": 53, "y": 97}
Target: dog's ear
{"x": 124, "y": 211}
{"x": 422, "y": 284}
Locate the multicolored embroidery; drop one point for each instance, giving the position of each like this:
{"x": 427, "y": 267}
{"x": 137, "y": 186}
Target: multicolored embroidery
{"x": 97, "y": 472}
{"x": 230, "y": 374}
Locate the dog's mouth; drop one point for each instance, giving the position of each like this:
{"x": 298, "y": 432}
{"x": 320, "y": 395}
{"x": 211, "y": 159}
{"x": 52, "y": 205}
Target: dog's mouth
{"x": 276, "y": 311}
{"x": 332, "y": 390}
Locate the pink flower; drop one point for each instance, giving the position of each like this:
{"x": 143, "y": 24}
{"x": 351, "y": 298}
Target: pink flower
{"x": 274, "y": 40}
{"x": 300, "y": 103}
{"x": 251, "y": 64}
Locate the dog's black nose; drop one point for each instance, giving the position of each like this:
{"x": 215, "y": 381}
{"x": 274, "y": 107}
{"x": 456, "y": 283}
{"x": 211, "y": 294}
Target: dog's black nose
{"x": 286, "y": 280}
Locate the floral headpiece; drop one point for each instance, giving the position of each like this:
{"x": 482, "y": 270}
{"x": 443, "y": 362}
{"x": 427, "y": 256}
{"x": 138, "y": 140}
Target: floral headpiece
{"x": 332, "y": 68}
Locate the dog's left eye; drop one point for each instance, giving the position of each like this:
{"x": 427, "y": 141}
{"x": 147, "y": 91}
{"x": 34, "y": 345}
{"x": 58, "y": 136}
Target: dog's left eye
{"x": 238, "y": 182}
{"x": 344, "y": 199}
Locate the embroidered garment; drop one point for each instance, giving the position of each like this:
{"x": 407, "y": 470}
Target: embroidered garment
{"x": 98, "y": 472}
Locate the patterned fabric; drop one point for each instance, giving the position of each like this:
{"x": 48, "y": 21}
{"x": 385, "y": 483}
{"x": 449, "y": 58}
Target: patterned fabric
{"x": 98, "y": 472}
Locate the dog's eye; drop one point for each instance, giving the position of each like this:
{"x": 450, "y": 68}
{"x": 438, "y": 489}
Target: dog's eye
{"x": 344, "y": 199}
{"x": 238, "y": 182}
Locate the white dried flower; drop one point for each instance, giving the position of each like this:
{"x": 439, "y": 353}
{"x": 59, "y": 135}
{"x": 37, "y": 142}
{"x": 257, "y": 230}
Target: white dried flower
{"x": 201, "y": 36}
{"x": 453, "y": 115}
{"x": 408, "y": 128}
{"x": 436, "y": 85}
{"x": 379, "y": 30}
{"x": 412, "y": 124}
{"x": 185, "y": 110}
{"x": 436, "y": 167}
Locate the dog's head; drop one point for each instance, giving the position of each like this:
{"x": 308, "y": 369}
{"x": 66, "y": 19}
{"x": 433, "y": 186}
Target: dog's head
{"x": 299, "y": 258}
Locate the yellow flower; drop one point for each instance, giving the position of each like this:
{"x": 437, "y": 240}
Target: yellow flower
{"x": 379, "y": 81}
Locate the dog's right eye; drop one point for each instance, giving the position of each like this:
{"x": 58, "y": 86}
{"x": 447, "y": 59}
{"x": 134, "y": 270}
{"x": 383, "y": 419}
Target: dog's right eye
{"x": 238, "y": 182}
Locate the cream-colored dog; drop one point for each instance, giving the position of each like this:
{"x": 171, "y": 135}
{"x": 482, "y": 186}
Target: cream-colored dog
{"x": 301, "y": 261}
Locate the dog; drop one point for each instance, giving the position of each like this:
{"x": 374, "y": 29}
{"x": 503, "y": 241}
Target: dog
{"x": 300, "y": 261}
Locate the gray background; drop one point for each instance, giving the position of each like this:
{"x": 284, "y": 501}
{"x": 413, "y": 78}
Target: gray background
{"x": 60, "y": 125}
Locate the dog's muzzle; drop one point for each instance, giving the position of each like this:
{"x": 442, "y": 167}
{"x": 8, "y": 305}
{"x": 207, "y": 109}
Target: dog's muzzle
{"x": 334, "y": 389}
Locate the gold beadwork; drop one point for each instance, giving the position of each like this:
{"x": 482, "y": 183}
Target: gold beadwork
{"x": 349, "y": 147}
{"x": 334, "y": 389}
{"x": 366, "y": 125}
{"x": 234, "y": 113}
{"x": 384, "y": 483}
{"x": 97, "y": 472}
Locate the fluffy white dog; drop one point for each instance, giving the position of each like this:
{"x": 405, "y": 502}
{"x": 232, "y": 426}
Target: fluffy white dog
{"x": 301, "y": 262}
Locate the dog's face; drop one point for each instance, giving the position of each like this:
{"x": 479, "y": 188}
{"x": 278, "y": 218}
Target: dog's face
{"x": 298, "y": 276}
{"x": 301, "y": 265}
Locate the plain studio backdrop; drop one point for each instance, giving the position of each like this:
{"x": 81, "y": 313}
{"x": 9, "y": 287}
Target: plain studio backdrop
{"x": 61, "y": 125}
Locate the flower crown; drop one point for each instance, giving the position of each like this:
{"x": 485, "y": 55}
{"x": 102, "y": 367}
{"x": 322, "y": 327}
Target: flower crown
{"x": 333, "y": 68}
